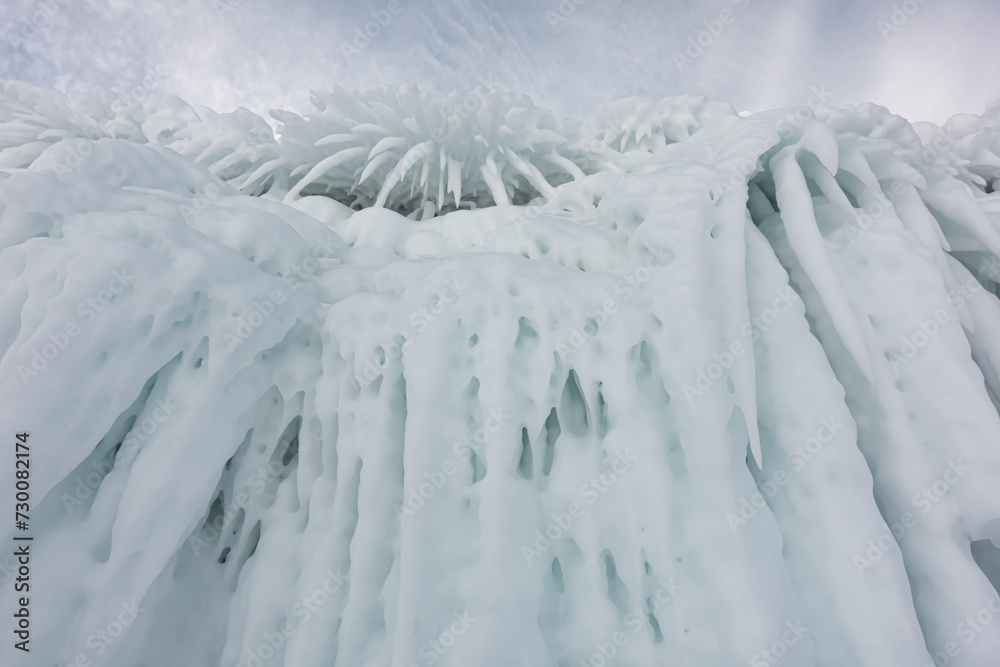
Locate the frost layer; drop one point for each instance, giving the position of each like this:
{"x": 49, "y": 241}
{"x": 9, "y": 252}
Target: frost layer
{"x": 724, "y": 392}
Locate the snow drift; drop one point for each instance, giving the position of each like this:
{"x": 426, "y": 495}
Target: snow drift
{"x": 417, "y": 381}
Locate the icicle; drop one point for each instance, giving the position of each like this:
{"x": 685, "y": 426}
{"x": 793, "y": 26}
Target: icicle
{"x": 336, "y": 139}
{"x": 455, "y": 179}
{"x": 387, "y": 144}
{"x": 566, "y": 165}
{"x": 530, "y": 172}
{"x": 418, "y": 152}
{"x": 491, "y": 176}
{"x": 796, "y": 208}
{"x": 373, "y": 165}
{"x": 324, "y": 166}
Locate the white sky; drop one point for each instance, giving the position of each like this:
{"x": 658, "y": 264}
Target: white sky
{"x": 266, "y": 54}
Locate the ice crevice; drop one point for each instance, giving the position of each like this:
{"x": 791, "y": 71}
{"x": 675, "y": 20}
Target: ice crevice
{"x": 385, "y": 389}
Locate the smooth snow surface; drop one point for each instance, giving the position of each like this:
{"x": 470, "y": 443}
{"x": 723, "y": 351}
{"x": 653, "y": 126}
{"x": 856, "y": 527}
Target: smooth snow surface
{"x": 455, "y": 382}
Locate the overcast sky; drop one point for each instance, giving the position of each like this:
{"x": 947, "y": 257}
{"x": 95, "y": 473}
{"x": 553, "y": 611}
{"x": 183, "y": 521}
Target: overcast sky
{"x": 924, "y": 61}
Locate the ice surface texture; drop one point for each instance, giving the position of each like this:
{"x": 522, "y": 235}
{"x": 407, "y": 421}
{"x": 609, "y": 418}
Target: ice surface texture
{"x": 455, "y": 382}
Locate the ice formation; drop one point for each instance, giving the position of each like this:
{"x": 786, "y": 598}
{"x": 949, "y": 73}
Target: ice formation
{"x": 454, "y": 382}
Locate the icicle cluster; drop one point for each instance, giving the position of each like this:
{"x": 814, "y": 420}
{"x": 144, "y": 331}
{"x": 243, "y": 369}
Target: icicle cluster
{"x": 393, "y": 147}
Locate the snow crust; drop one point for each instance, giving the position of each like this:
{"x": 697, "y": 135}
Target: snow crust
{"x": 686, "y": 388}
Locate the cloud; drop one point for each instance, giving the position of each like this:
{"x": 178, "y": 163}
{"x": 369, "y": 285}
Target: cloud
{"x": 265, "y": 54}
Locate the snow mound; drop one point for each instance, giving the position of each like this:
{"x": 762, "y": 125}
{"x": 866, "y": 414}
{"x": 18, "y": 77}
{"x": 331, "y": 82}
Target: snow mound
{"x": 688, "y": 389}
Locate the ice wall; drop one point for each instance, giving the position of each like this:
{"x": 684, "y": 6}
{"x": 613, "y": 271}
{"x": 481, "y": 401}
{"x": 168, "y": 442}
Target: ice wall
{"x": 685, "y": 389}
